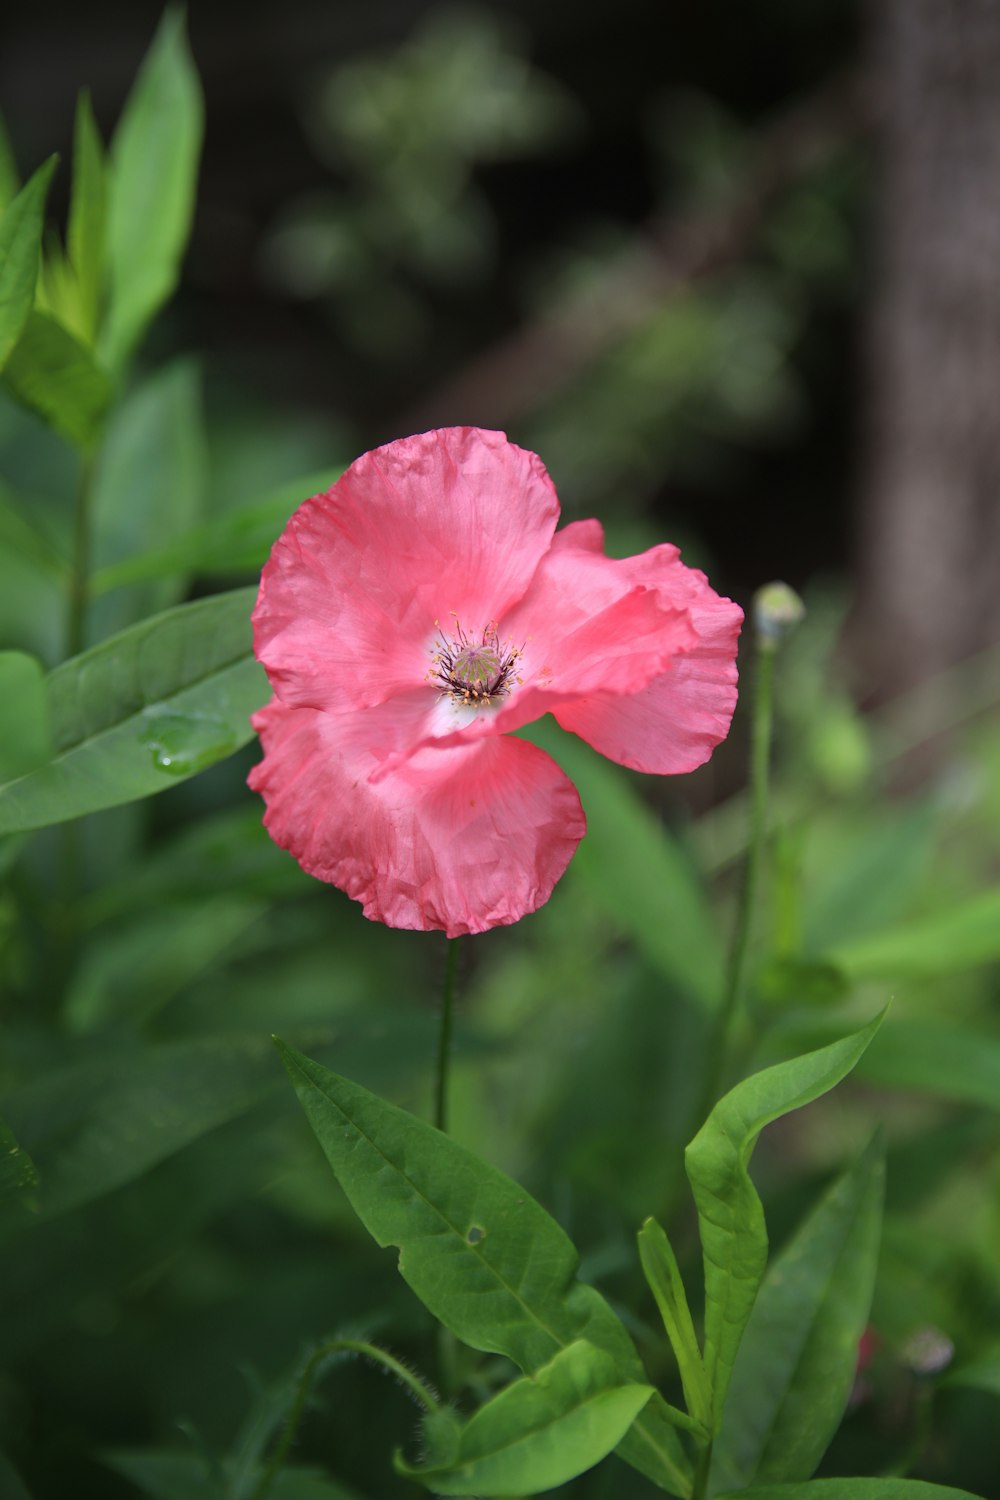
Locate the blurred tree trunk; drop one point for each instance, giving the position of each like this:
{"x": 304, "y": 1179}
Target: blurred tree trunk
{"x": 929, "y": 564}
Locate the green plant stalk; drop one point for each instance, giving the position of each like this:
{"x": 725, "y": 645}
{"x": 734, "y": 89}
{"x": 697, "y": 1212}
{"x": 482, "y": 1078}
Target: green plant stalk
{"x": 412, "y": 1382}
{"x": 760, "y": 760}
{"x": 445, "y": 1038}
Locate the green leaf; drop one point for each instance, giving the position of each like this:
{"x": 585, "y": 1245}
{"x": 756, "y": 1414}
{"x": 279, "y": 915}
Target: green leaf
{"x": 26, "y": 742}
{"x": 17, "y": 1171}
{"x": 20, "y": 242}
{"x": 663, "y": 1274}
{"x": 639, "y": 873}
{"x": 97, "y": 1124}
{"x": 11, "y": 1486}
{"x": 132, "y": 970}
{"x": 235, "y": 543}
{"x": 151, "y": 190}
{"x": 21, "y": 535}
{"x": 944, "y": 1059}
{"x": 730, "y": 1214}
{"x": 149, "y": 487}
{"x": 55, "y": 375}
{"x": 796, "y": 1365}
{"x": 87, "y": 215}
{"x": 982, "y": 1374}
{"x": 478, "y": 1251}
{"x": 146, "y": 709}
{"x": 940, "y": 942}
{"x": 851, "y": 1489}
{"x": 542, "y": 1430}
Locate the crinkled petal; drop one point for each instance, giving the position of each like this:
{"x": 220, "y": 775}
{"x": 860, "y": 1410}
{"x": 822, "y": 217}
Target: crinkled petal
{"x": 459, "y": 839}
{"x": 674, "y": 722}
{"x": 447, "y": 523}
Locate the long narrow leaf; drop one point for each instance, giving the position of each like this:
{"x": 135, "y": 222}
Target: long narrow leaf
{"x": 20, "y": 245}
{"x": 151, "y": 706}
{"x": 796, "y": 1365}
{"x": 730, "y": 1214}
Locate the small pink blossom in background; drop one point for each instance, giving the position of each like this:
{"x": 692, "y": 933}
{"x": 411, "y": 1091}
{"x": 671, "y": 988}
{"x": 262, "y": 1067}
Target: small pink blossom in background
{"x": 413, "y": 615}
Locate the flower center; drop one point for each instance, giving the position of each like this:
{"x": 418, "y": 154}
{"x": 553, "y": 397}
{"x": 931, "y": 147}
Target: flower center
{"x": 471, "y": 672}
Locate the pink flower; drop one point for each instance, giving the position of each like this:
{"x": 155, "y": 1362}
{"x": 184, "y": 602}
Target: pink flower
{"x": 416, "y": 612}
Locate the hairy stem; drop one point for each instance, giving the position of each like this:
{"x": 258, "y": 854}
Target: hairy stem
{"x": 413, "y": 1383}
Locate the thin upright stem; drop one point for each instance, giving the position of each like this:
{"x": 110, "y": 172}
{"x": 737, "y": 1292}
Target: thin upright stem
{"x": 444, "y": 1037}
{"x": 406, "y": 1377}
{"x": 760, "y": 759}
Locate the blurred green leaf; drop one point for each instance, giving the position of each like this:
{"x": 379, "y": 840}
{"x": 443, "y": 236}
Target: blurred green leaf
{"x": 662, "y": 1272}
{"x": 152, "y": 706}
{"x": 235, "y": 543}
{"x": 55, "y": 375}
{"x": 944, "y": 1059}
{"x": 730, "y": 1214}
{"x": 17, "y": 1171}
{"x": 154, "y": 165}
{"x": 796, "y": 1365}
{"x": 20, "y": 242}
{"x": 27, "y": 739}
{"x": 865, "y": 882}
{"x": 639, "y": 873}
{"x": 99, "y": 1123}
{"x": 85, "y": 236}
{"x": 981, "y": 1374}
{"x": 851, "y": 1489}
{"x": 10, "y": 180}
{"x": 21, "y": 535}
{"x": 938, "y": 942}
{"x": 148, "y": 488}
{"x": 478, "y": 1251}
{"x": 132, "y": 971}
{"x": 540, "y": 1431}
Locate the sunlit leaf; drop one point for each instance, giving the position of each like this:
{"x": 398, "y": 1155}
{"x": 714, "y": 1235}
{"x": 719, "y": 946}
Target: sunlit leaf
{"x": 85, "y": 236}
{"x": 796, "y": 1365}
{"x": 478, "y": 1251}
{"x": 154, "y": 164}
{"x": 662, "y": 1272}
{"x": 146, "y": 709}
{"x": 20, "y": 242}
{"x": 542, "y": 1430}
{"x": 55, "y": 375}
{"x": 730, "y": 1214}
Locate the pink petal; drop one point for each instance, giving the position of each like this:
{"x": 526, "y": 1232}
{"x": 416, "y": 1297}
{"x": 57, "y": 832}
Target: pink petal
{"x": 447, "y": 523}
{"x": 459, "y": 839}
{"x": 675, "y": 721}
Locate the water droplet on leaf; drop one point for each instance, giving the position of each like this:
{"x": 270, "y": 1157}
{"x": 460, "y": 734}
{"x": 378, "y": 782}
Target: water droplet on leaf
{"x": 181, "y": 744}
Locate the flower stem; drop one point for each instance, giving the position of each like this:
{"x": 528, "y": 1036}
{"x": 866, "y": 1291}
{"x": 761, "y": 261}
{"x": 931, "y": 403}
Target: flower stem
{"x": 406, "y": 1377}
{"x": 776, "y": 610}
{"x": 444, "y": 1037}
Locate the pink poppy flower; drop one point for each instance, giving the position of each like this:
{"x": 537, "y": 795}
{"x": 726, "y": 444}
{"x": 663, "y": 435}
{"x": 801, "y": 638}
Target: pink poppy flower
{"x": 415, "y": 613}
